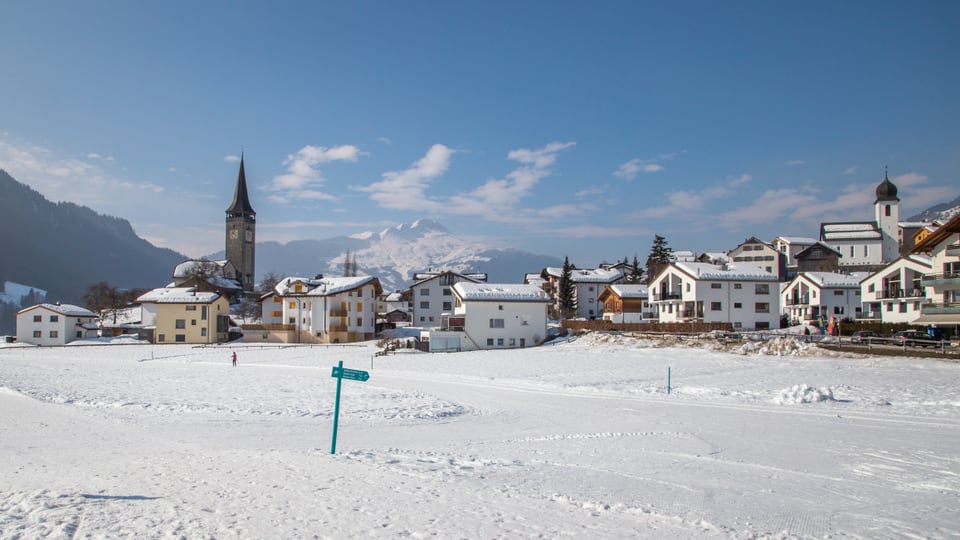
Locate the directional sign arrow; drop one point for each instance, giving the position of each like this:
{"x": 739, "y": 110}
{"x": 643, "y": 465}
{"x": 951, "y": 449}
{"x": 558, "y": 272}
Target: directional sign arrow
{"x": 350, "y": 374}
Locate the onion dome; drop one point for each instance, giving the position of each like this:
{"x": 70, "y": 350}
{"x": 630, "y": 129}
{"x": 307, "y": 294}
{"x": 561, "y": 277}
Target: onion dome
{"x": 887, "y": 190}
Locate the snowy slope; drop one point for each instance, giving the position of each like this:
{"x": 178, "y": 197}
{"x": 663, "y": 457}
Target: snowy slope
{"x": 578, "y": 439}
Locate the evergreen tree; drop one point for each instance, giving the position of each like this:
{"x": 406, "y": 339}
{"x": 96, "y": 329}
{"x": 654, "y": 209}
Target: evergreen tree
{"x": 636, "y": 273}
{"x": 660, "y": 256}
{"x": 567, "y": 294}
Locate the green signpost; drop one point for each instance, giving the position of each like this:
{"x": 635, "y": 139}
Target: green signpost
{"x": 340, "y": 374}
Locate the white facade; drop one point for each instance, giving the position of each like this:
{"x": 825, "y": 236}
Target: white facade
{"x": 741, "y": 294}
{"x": 494, "y": 316}
{"x": 55, "y": 324}
{"x": 790, "y": 246}
{"x": 895, "y": 294}
{"x": 588, "y": 284}
{"x": 335, "y": 309}
{"x": 859, "y": 244}
{"x": 942, "y": 284}
{"x": 432, "y": 297}
{"x": 811, "y": 297}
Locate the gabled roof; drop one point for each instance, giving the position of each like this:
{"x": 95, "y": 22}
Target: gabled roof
{"x": 67, "y": 310}
{"x": 499, "y": 292}
{"x": 802, "y": 240}
{"x": 624, "y": 290}
{"x": 834, "y": 280}
{"x": 850, "y": 230}
{"x": 326, "y": 286}
{"x": 940, "y": 235}
{"x": 725, "y": 272}
{"x": 587, "y": 275}
{"x": 815, "y": 245}
{"x": 423, "y": 277}
{"x": 924, "y": 262}
{"x": 177, "y": 295}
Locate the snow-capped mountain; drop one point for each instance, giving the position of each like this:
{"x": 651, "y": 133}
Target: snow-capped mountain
{"x": 940, "y": 212}
{"x": 395, "y": 254}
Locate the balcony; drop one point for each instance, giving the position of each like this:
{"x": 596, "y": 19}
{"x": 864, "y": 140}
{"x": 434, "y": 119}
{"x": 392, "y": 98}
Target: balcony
{"x": 798, "y": 300}
{"x": 338, "y": 312}
{"x": 666, "y": 296}
{"x": 898, "y": 293}
{"x": 939, "y": 308}
{"x": 948, "y": 279}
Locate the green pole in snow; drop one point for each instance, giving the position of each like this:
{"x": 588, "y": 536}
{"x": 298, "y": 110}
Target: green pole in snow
{"x": 336, "y": 410}
{"x": 668, "y": 382}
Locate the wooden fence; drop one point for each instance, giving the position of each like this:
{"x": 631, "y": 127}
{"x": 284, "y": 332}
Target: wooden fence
{"x": 669, "y": 328}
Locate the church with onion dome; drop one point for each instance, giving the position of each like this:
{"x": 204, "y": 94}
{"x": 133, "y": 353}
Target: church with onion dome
{"x": 866, "y": 245}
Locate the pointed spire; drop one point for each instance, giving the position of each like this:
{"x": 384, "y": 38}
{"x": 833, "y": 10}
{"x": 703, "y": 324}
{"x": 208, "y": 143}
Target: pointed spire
{"x": 887, "y": 190}
{"x": 241, "y": 202}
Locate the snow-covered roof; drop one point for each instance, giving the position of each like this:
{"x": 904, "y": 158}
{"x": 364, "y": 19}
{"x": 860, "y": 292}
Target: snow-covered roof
{"x": 624, "y": 290}
{"x": 177, "y": 295}
{"x": 394, "y": 297}
{"x": 716, "y": 256}
{"x": 67, "y": 310}
{"x": 499, "y": 292}
{"x": 836, "y": 280}
{"x": 190, "y": 267}
{"x": 851, "y": 235}
{"x": 684, "y": 255}
{"x": 586, "y": 275}
{"x": 797, "y": 240}
{"x": 326, "y": 286}
{"x": 850, "y": 226}
{"x": 729, "y": 271}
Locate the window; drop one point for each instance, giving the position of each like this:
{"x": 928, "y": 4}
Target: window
{"x": 180, "y": 338}
{"x": 513, "y": 342}
{"x": 359, "y": 321}
{"x": 903, "y": 307}
{"x": 38, "y": 333}
{"x": 489, "y": 342}
{"x": 762, "y": 288}
{"x": 291, "y": 320}
{"x": 161, "y": 338}
{"x": 738, "y": 324}
{"x": 38, "y": 318}
{"x": 54, "y": 318}
{"x": 293, "y": 305}
{"x": 590, "y": 288}
{"x": 500, "y": 307}
{"x": 496, "y": 323}
{"x": 688, "y": 287}
{"x": 424, "y": 305}
{"x": 716, "y": 286}
{"x": 762, "y": 325}
{"x": 769, "y": 269}
{"x": 203, "y": 332}
{"x": 762, "y": 307}
{"x": 54, "y": 334}
{"x": 422, "y": 318}
{"x": 886, "y": 210}
{"x": 181, "y": 323}
{"x": 276, "y": 314}
{"x": 499, "y": 342}
{"x": 715, "y": 306}
{"x": 446, "y": 291}
{"x": 448, "y": 306}
{"x": 359, "y": 306}
{"x": 79, "y": 334}
{"x": 191, "y": 308}
{"x": 277, "y": 300}
{"x": 916, "y": 306}
{"x": 737, "y": 305}
{"x": 424, "y": 292}
{"x": 890, "y": 307}
{"x": 431, "y": 318}
{"x": 866, "y": 250}
{"x": 738, "y": 286}
{"x": 851, "y": 251}
{"x": 838, "y": 293}
{"x": 871, "y": 288}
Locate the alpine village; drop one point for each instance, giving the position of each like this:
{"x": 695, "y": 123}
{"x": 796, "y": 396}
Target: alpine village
{"x": 885, "y": 281}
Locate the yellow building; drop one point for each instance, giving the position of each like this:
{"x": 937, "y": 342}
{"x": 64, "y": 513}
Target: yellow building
{"x": 185, "y": 315}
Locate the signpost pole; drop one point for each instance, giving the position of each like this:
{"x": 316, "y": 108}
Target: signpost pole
{"x": 668, "y": 382}
{"x": 336, "y": 409}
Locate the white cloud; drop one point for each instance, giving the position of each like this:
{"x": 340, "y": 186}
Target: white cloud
{"x": 385, "y": 140}
{"x": 94, "y": 155}
{"x": 406, "y": 189}
{"x": 171, "y": 169}
{"x": 632, "y": 168}
{"x": 598, "y": 190}
{"x": 796, "y": 162}
{"x": 231, "y": 158}
{"x": 850, "y": 170}
{"x": 303, "y": 177}
{"x": 687, "y": 202}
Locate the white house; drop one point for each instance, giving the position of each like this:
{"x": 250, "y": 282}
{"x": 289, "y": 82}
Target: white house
{"x": 942, "y": 284}
{"x": 588, "y": 284}
{"x": 184, "y": 315}
{"x": 742, "y": 294}
{"x": 817, "y": 296}
{"x": 431, "y": 295}
{"x": 55, "y": 324}
{"x": 895, "y": 293}
{"x": 320, "y": 310}
{"x": 790, "y": 246}
{"x": 493, "y": 316}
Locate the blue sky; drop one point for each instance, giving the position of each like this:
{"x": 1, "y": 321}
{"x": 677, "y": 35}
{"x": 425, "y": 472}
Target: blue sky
{"x": 561, "y": 128}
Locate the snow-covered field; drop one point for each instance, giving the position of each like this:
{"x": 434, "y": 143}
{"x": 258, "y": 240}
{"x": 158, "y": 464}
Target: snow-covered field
{"x": 577, "y": 439}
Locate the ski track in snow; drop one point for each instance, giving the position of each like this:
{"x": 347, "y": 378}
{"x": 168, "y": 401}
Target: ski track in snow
{"x": 577, "y": 439}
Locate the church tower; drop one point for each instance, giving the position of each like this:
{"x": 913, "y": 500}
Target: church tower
{"x": 887, "y": 211}
{"x": 241, "y": 233}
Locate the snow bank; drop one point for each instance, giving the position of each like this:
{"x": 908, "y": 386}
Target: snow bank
{"x": 801, "y": 393}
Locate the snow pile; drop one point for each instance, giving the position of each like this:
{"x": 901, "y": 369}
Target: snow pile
{"x": 779, "y": 346}
{"x": 802, "y": 393}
